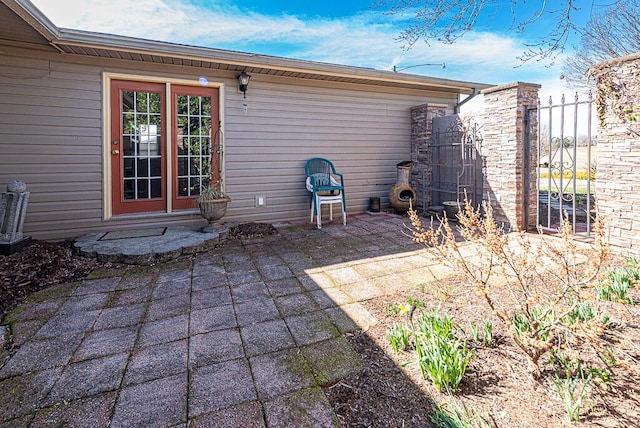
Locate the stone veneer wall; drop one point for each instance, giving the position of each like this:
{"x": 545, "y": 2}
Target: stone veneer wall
{"x": 618, "y": 163}
{"x": 504, "y": 149}
{"x": 421, "y": 153}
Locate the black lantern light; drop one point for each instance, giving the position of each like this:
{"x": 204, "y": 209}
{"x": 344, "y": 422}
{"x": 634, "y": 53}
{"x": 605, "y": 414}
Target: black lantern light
{"x": 243, "y": 82}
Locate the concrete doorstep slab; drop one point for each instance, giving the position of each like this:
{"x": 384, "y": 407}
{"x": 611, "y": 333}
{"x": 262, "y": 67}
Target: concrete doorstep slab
{"x": 145, "y": 247}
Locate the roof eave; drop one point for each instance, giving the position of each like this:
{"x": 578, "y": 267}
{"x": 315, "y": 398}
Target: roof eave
{"x": 63, "y": 38}
{"x": 34, "y": 17}
{"x": 86, "y": 39}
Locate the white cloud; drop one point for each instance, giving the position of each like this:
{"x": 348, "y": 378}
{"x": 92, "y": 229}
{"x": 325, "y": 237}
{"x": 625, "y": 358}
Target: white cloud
{"x": 367, "y": 39}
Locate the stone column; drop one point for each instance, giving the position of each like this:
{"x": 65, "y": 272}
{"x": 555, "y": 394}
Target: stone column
{"x": 618, "y": 162}
{"x": 507, "y": 140}
{"x": 13, "y": 208}
{"x": 421, "y": 153}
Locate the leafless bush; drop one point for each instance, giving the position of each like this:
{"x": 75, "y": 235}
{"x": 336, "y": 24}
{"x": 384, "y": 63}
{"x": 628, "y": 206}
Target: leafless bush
{"x": 550, "y": 282}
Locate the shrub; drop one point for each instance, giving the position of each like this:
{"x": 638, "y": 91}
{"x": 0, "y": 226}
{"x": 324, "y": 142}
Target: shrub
{"x": 546, "y": 309}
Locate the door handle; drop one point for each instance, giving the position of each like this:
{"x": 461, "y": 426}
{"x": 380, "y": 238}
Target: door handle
{"x": 115, "y": 152}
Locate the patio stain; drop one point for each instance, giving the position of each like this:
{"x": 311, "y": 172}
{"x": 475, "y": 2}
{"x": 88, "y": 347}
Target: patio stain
{"x": 306, "y": 407}
{"x": 102, "y": 273}
{"x": 55, "y": 292}
{"x": 332, "y": 360}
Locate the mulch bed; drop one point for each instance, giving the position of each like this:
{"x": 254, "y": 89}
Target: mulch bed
{"x": 390, "y": 390}
{"x": 40, "y": 265}
{"x": 44, "y": 264}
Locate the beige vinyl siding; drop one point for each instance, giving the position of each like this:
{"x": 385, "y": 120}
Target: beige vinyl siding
{"x": 51, "y": 137}
{"x": 364, "y": 132}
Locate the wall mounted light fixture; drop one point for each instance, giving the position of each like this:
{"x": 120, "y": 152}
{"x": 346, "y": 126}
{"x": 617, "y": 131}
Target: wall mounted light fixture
{"x": 243, "y": 82}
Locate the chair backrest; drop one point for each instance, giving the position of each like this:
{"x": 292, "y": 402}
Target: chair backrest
{"x": 320, "y": 169}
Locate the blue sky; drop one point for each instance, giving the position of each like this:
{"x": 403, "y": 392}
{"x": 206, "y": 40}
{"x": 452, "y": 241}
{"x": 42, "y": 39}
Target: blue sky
{"x": 347, "y": 32}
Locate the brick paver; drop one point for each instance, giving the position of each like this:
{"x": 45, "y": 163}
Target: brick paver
{"x": 242, "y": 335}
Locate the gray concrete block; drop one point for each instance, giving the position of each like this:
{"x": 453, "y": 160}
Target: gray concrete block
{"x": 215, "y": 347}
{"x": 88, "y": 378}
{"x": 163, "y": 331}
{"x": 306, "y": 408}
{"x": 311, "y": 327}
{"x": 157, "y": 361}
{"x": 106, "y": 342}
{"x": 280, "y": 372}
{"x": 220, "y": 385}
{"x": 210, "y": 319}
{"x": 161, "y": 402}
{"x": 265, "y": 337}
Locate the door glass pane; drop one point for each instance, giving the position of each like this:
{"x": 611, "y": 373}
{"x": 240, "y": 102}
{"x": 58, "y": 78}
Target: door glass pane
{"x": 142, "y": 189}
{"x": 194, "y": 158}
{"x": 143, "y": 168}
{"x": 156, "y": 167}
{"x": 156, "y": 189}
{"x": 183, "y": 187}
{"x": 129, "y": 189}
{"x": 129, "y": 168}
{"x": 141, "y": 145}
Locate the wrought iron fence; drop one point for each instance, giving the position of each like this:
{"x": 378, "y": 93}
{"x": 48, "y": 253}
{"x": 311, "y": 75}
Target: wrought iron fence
{"x": 566, "y": 167}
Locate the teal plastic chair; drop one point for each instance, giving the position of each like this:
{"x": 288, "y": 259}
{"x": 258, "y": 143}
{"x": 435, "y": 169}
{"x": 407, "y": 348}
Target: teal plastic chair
{"x": 327, "y": 188}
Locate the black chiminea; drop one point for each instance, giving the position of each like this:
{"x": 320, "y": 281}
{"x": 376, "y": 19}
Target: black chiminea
{"x": 402, "y": 196}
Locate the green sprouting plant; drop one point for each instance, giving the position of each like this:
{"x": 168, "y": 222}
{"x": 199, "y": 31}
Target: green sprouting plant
{"x": 621, "y": 279}
{"x": 583, "y": 311}
{"x": 487, "y": 333}
{"x": 623, "y": 275}
{"x": 633, "y": 263}
{"x": 536, "y": 322}
{"x": 482, "y": 337}
{"x": 457, "y": 417}
{"x": 615, "y": 292}
{"x": 573, "y": 368}
{"x": 404, "y": 308}
{"x": 475, "y": 332}
{"x": 399, "y": 336}
{"x": 572, "y": 391}
{"x": 441, "y": 355}
{"x": 609, "y": 358}
{"x": 391, "y": 310}
{"x": 417, "y": 303}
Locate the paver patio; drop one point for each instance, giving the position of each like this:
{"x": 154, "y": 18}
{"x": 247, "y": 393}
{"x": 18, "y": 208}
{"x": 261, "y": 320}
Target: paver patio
{"x": 242, "y": 335}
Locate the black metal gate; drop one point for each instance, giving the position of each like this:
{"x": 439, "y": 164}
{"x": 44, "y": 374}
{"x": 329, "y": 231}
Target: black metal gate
{"x": 457, "y": 164}
{"x": 566, "y": 167}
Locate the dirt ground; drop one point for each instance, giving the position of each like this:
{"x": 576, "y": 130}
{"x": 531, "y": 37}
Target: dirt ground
{"x": 390, "y": 391}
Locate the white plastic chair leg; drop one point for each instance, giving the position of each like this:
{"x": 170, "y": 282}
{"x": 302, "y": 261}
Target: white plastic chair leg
{"x": 313, "y": 207}
{"x": 318, "y": 214}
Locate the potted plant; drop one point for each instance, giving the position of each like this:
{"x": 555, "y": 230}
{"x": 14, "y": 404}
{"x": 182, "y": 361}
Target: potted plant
{"x": 212, "y": 202}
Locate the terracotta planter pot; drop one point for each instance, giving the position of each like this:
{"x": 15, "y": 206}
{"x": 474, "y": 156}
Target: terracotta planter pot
{"x": 213, "y": 209}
